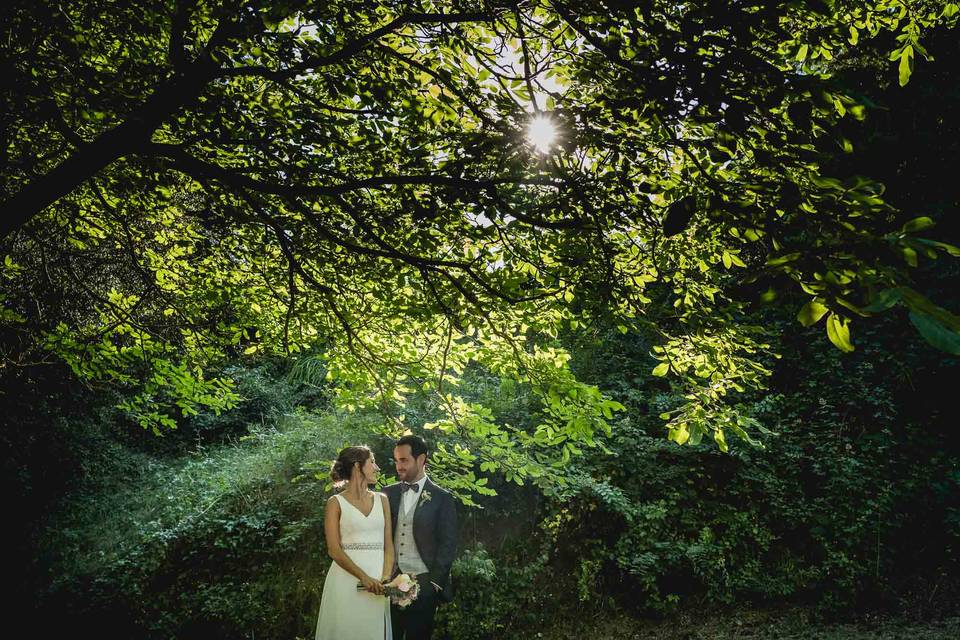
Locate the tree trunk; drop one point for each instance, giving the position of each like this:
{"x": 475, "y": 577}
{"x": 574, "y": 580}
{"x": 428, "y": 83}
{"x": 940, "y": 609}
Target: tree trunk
{"x": 88, "y": 160}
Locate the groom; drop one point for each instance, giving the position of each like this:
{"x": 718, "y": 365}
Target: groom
{"x": 424, "y": 538}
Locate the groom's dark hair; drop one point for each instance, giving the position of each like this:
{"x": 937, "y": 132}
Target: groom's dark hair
{"x": 418, "y": 446}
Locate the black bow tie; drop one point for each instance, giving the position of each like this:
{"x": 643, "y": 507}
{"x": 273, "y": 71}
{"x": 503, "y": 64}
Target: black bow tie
{"x": 409, "y": 486}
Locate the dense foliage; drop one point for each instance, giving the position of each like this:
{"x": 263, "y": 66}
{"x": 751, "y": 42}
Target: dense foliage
{"x": 852, "y": 507}
{"x": 260, "y": 230}
{"x": 187, "y": 182}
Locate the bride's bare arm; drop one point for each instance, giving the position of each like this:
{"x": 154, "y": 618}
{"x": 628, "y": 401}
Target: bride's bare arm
{"x": 387, "y": 538}
{"x": 331, "y": 529}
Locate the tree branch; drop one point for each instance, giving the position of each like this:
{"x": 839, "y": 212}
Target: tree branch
{"x": 197, "y": 168}
{"x": 356, "y": 46}
{"x": 111, "y": 145}
{"x": 176, "y": 55}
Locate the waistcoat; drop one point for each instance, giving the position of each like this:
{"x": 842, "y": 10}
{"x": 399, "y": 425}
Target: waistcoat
{"x": 408, "y": 557}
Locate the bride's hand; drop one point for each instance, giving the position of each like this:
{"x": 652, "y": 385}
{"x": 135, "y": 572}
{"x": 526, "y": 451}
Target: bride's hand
{"x": 372, "y": 585}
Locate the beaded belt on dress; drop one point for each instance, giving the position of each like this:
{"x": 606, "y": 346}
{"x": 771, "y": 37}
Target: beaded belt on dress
{"x": 363, "y": 546}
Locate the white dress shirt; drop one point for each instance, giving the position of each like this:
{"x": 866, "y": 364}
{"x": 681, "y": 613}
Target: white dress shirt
{"x": 409, "y": 498}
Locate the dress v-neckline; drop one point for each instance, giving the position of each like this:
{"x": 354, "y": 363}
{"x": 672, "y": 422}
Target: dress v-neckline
{"x": 367, "y": 515}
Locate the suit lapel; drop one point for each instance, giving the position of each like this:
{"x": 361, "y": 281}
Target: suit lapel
{"x": 421, "y": 504}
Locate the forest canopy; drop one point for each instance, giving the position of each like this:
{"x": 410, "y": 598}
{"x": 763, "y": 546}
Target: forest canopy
{"x": 353, "y": 185}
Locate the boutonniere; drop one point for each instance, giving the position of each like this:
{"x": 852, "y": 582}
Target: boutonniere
{"x": 425, "y": 496}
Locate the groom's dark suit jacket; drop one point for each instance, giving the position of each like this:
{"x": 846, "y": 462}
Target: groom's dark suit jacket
{"x": 434, "y": 531}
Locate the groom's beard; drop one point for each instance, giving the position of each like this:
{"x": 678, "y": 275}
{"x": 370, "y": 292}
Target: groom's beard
{"x": 410, "y": 475}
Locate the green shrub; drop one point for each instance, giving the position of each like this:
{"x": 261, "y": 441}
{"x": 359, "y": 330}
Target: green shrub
{"x": 854, "y": 497}
{"x": 222, "y": 544}
{"x": 496, "y": 597}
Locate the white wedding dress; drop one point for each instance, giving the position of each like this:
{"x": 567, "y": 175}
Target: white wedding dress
{"x": 345, "y": 613}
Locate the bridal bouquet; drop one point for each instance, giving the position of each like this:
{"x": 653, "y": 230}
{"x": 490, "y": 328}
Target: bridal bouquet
{"x": 402, "y": 590}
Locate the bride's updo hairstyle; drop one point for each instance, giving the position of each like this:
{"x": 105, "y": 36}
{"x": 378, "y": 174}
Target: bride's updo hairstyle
{"x": 342, "y": 467}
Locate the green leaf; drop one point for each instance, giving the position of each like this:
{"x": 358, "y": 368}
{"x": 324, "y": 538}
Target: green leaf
{"x": 838, "y": 331}
{"x": 883, "y": 300}
{"x": 788, "y": 257}
{"x": 696, "y": 435}
{"x": 661, "y": 369}
{"x": 679, "y": 215}
{"x": 811, "y": 313}
{"x": 918, "y": 302}
{"x": 851, "y": 306}
{"x": 720, "y": 440}
{"x": 906, "y": 65}
{"x": 679, "y": 434}
{"x": 918, "y": 224}
{"x": 949, "y": 248}
{"x": 935, "y": 333}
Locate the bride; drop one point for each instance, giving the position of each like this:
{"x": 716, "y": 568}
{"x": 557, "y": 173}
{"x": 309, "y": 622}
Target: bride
{"x": 359, "y": 540}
